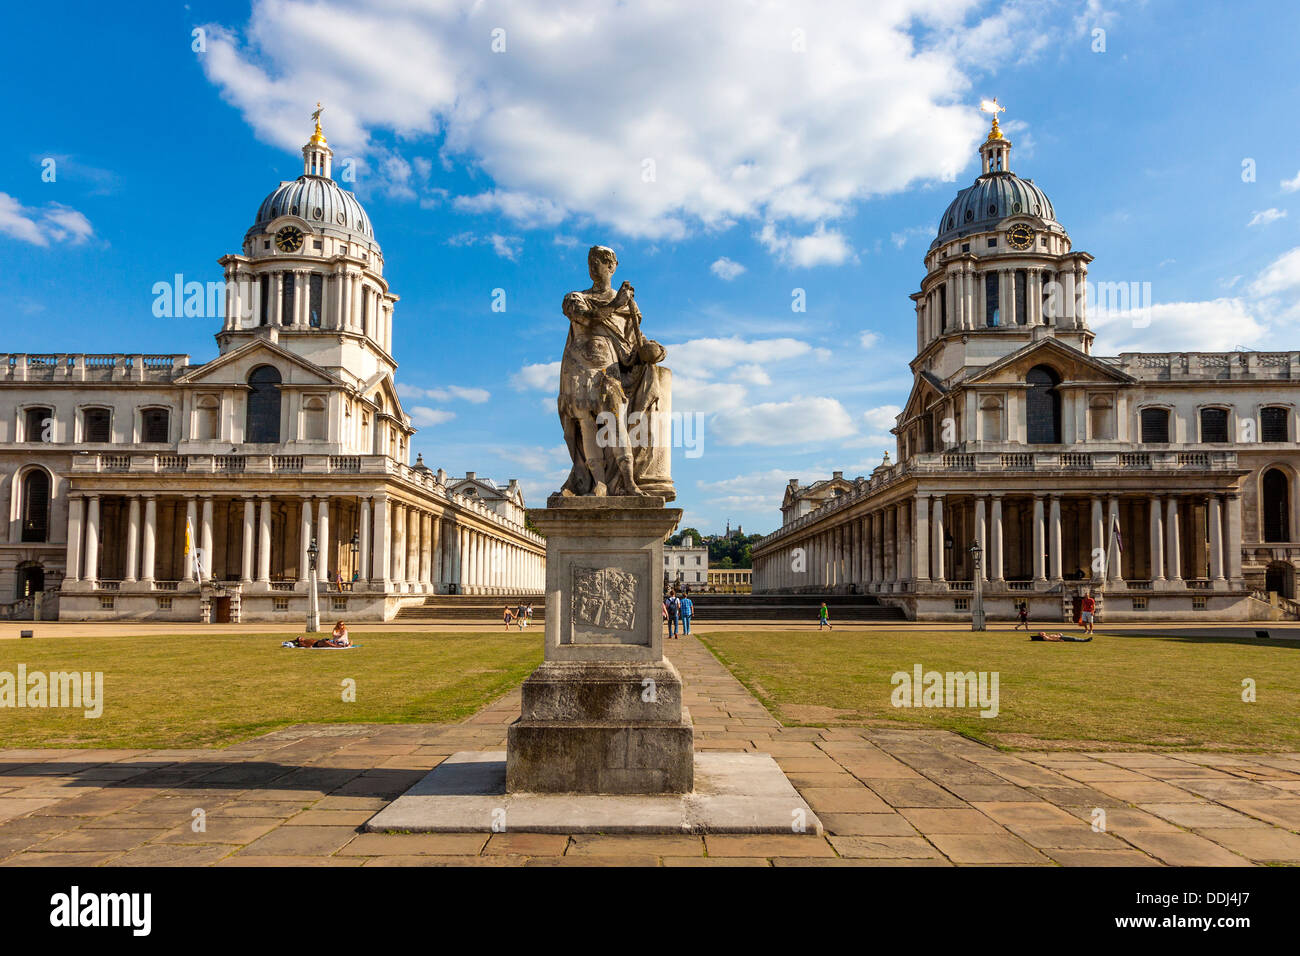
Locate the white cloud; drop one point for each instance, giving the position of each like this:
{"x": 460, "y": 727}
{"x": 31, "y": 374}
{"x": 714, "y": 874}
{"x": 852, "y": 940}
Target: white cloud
{"x": 868, "y": 340}
{"x": 755, "y": 491}
{"x": 739, "y": 123}
{"x": 704, "y": 357}
{"x": 1266, "y": 216}
{"x": 1214, "y": 326}
{"x": 725, "y": 269}
{"x": 882, "y": 418}
{"x": 796, "y": 422}
{"x": 900, "y": 239}
{"x": 450, "y": 393}
{"x": 1291, "y": 185}
{"x": 544, "y": 376}
{"x": 507, "y": 247}
{"x": 54, "y": 223}
{"x": 423, "y": 415}
{"x": 751, "y": 375}
{"x": 821, "y": 247}
{"x": 1280, "y": 274}
{"x": 696, "y": 396}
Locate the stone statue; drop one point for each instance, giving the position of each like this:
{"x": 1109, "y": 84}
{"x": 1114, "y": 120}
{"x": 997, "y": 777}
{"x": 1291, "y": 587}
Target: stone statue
{"x": 615, "y": 398}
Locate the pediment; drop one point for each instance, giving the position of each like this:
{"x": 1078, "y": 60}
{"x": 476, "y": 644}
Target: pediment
{"x": 1069, "y": 363}
{"x": 233, "y": 367}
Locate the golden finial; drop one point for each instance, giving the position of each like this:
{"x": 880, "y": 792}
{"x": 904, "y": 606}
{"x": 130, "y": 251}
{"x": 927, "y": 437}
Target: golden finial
{"x": 318, "y": 137}
{"x": 991, "y": 106}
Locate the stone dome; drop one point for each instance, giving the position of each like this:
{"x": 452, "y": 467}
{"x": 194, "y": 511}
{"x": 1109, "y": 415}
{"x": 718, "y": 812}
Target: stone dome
{"x": 320, "y": 201}
{"x": 990, "y": 199}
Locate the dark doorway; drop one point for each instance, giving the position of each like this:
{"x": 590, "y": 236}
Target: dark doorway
{"x": 221, "y": 610}
{"x": 1276, "y": 506}
{"x": 36, "y": 506}
{"x": 31, "y": 578}
{"x": 1279, "y": 579}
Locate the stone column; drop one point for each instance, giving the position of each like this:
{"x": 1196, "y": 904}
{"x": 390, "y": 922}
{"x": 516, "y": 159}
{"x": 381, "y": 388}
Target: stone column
{"x": 904, "y": 547}
{"x": 413, "y": 545}
{"x": 150, "y": 541}
{"x": 132, "y": 539}
{"x": 1233, "y": 545}
{"x": 363, "y": 541}
{"x": 72, "y": 558}
{"x": 398, "y": 546}
{"x": 1098, "y": 535}
{"x": 328, "y": 556}
{"x": 304, "y": 541}
{"x": 248, "y": 540}
{"x": 1214, "y": 516}
{"x": 277, "y": 298}
{"x": 937, "y": 546}
{"x": 205, "y": 536}
{"x": 995, "y": 564}
{"x": 426, "y": 552}
{"x": 921, "y": 556}
{"x": 1040, "y": 573}
{"x": 91, "y": 573}
{"x": 264, "y": 543}
{"x": 981, "y": 538}
{"x": 891, "y": 559}
{"x": 1173, "y": 549}
{"x": 1114, "y": 552}
{"x": 1156, "y": 543}
{"x": 379, "y": 569}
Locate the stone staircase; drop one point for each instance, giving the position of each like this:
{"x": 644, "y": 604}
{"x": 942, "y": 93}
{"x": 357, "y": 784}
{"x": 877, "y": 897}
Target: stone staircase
{"x": 472, "y": 607}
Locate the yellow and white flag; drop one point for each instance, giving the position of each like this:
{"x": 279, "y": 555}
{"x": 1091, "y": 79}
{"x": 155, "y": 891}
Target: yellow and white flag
{"x": 197, "y": 561}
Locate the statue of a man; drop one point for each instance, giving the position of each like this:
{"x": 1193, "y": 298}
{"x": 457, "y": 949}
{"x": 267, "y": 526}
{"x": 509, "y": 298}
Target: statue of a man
{"x": 615, "y": 397}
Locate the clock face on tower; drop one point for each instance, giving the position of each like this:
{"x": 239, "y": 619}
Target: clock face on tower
{"x": 288, "y": 239}
{"x": 1020, "y": 236}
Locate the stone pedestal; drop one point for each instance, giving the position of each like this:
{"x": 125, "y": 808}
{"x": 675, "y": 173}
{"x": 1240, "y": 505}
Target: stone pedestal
{"x": 603, "y": 713}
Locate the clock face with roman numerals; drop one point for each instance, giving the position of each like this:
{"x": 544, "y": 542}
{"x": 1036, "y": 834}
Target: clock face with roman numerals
{"x": 289, "y": 239}
{"x": 1020, "y": 236}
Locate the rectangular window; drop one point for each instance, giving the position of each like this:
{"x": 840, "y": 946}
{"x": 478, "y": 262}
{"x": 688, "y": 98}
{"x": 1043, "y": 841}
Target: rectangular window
{"x": 286, "y": 298}
{"x": 34, "y": 424}
{"x": 365, "y": 313}
{"x": 993, "y": 243}
{"x": 992, "y": 300}
{"x": 1273, "y": 425}
{"x": 264, "y": 300}
{"x": 1022, "y": 290}
{"x": 1214, "y": 424}
{"x": 106, "y": 604}
{"x": 317, "y": 293}
{"x": 1198, "y": 604}
{"x": 97, "y": 425}
{"x": 280, "y": 604}
{"x": 1139, "y": 604}
{"x": 943, "y": 308}
{"x": 1155, "y": 426}
{"x": 165, "y": 604}
{"x": 961, "y": 604}
{"x": 155, "y": 425}
{"x": 340, "y": 604}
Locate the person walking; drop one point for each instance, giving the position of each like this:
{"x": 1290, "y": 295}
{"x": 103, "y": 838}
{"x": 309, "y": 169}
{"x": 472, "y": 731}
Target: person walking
{"x": 674, "y": 614}
{"x": 824, "y": 617}
{"x": 519, "y": 616}
{"x": 1022, "y": 611}
{"x": 1087, "y": 610}
{"x": 688, "y": 609}
{"x": 506, "y": 615}
{"x": 528, "y": 613}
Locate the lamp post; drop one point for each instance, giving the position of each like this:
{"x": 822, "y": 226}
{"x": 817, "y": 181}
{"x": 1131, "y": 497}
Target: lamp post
{"x": 313, "y": 592}
{"x": 977, "y": 598}
{"x": 355, "y": 546}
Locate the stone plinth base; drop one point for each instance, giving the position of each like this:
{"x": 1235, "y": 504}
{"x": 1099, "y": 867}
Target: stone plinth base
{"x": 734, "y": 793}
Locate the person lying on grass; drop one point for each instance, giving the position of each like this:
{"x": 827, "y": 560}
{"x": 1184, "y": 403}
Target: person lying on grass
{"x": 338, "y": 638}
{"x": 1043, "y": 636}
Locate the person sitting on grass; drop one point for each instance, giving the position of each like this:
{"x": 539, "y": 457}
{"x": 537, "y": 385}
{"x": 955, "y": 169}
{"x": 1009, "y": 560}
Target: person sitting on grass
{"x": 338, "y": 637}
{"x": 1057, "y": 637}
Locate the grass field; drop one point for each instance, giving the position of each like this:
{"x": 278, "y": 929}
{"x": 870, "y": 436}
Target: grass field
{"x": 1158, "y": 691}
{"x": 217, "y": 689}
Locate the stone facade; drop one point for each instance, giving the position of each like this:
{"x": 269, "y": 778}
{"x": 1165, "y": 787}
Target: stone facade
{"x": 1166, "y": 483}
{"x": 293, "y": 434}
{"x": 686, "y": 563}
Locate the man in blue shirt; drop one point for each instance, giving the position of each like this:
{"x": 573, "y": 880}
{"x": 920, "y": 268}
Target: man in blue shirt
{"x": 688, "y": 608}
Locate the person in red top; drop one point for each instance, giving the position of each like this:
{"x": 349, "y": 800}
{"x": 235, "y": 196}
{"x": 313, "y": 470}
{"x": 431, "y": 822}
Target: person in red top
{"x": 1087, "y": 608}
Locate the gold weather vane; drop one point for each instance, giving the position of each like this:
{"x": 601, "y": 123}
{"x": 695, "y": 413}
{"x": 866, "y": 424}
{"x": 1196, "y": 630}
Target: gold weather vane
{"x": 318, "y": 136}
{"x": 991, "y": 106}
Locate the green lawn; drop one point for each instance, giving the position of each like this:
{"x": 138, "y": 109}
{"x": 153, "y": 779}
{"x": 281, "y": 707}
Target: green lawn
{"x": 213, "y": 690}
{"x": 1158, "y": 691}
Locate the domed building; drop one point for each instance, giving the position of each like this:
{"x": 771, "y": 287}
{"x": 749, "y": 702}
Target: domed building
{"x": 1163, "y": 484}
{"x": 144, "y": 487}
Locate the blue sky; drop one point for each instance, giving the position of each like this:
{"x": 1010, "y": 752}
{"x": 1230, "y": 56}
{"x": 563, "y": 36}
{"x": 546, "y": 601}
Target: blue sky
{"x": 795, "y": 147}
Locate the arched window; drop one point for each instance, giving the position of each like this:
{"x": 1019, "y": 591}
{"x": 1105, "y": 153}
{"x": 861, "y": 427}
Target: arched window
{"x": 1043, "y": 406}
{"x": 991, "y": 415}
{"x": 36, "y": 506}
{"x": 263, "y": 425}
{"x": 1155, "y": 426}
{"x": 1276, "y": 505}
{"x": 1101, "y": 418}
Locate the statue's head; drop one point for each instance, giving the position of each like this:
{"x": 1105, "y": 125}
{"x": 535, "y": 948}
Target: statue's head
{"x": 601, "y": 262}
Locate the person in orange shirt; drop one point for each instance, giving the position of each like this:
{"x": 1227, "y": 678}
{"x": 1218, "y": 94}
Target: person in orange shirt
{"x": 1087, "y": 609}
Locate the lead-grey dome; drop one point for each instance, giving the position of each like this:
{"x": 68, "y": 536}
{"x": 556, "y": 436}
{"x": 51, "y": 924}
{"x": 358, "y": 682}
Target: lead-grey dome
{"x": 990, "y": 199}
{"x": 320, "y": 201}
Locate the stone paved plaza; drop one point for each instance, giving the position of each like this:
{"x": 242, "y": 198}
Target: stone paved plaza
{"x": 887, "y": 797}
